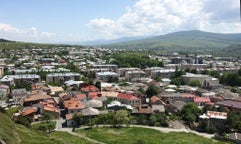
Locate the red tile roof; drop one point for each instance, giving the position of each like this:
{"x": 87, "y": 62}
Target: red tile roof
{"x": 94, "y": 95}
{"x": 89, "y": 88}
{"x": 126, "y": 96}
{"x": 51, "y": 109}
{"x": 155, "y": 99}
{"x": 80, "y": 96}
{"x": 187, "y": 95}
{"x": 202, "y": 100}
{"x": 28, "y": 111}
{"x": 73, "y": 104}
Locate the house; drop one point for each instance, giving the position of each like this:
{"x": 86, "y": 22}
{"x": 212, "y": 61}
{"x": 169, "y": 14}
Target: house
{"x": 86, "y": 113}
{"x": 35, "y": 98}
{"x": 94, "y": 103}
{"x": 109, "y": 94}
{"x": 18, "y": 95}
{"x": 4, "y": 90}
{"x": 157, "y": 105}
{"x": 231, "y": 104}
{"x": 217, "y": 119}
{"x": 29, "y": 112}
{"x": 73, "y": 105}
{"x": 94, "y": 95}
{"x": 201, "y": 101}
{"x": 54, "y": 90}
{"x": 115, "y": 105}
{"x": 90, "y": 90}
{"x": 52, "y": 110}
{"x": 128, "y": 99}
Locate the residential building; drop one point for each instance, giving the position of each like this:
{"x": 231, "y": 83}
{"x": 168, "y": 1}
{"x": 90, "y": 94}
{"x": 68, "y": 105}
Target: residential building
{"x": 106, "y": 76}
{"x": 214, "y": 118}
{"x": 18, "y": 95}
{"x": 13, "y": 79}
{"x": 128, "y": 99}
{"x": 62, "y": 77}
{"x": 130, "y": 75}
{"x": 163, "y": 73}
{"x": 205, "y": 80}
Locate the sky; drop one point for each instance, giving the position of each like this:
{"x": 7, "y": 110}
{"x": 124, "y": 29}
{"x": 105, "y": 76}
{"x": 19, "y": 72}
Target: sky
{"x": 60, "y": 21}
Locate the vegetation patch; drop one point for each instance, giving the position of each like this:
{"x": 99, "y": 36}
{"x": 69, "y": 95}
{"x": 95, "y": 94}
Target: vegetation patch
{"x": 143, "y": 136}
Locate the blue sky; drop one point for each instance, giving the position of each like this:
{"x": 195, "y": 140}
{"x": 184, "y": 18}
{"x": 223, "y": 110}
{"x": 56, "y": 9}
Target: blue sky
{"x": 85, "y": 20}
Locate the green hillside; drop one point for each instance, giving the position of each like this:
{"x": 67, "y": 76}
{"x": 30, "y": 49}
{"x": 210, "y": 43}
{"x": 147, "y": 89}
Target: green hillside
{"x": 11, "y": 133}
{"x": 8, "y": 132}
{"x": 194, "y": 40}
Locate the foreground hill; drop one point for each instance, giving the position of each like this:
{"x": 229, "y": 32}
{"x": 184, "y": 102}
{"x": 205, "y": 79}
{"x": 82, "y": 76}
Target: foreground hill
{"x": 182, "y": 41}
{"x": 11, "y": 133}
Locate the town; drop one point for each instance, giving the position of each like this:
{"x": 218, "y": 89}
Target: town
{"x": 73, "y": 86}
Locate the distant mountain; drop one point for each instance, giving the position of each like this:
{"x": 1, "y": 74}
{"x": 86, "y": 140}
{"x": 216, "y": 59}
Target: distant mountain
{"x": 189, "y": 41}
{"x": 101, "y": 42}
{"x": 4, "y": 40}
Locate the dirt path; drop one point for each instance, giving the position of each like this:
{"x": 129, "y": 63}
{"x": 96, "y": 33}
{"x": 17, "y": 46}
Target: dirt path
{"x": 167, "y": 130}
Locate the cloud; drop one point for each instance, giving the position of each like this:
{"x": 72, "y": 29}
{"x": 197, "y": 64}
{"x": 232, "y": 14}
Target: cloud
{"x": 155, "y": 17}
{"x": 47, "y": 34}
{"x": 23, "y": 34}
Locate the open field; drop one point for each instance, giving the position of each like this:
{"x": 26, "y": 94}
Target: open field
{"x": 143, "y": 136}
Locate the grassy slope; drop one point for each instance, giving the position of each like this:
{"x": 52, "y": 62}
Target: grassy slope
{"x": 143, "y": 135}
{"x": 29, "y": 136}
{"x": 8, "y": 130}
{"x": 15, "y": 134}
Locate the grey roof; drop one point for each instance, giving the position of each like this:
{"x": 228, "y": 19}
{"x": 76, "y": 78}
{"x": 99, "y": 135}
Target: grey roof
{"x": 230, "y": 103}
{"x": 24, "y": 76}
{"x": 62, "y": 74}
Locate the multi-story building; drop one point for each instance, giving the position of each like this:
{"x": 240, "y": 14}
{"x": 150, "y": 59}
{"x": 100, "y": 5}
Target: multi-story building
{"x": 129, "y": 75}
{"x": 13, "y": 79}
{"x": 163, "y": 73}
{"x": 62, "y": 77}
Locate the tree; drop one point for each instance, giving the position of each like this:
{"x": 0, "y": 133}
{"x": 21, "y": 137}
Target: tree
{"x": 121, "y": 117}
{"x": 189, "y": 112}
{"x": 78, "y": 119}
{"x": 23, "y": 84}
{"x": 50, "y": 126}
{"x": 47, "y": 116}
{"x": 152, "y": 90}
{"x": 177, "y": 81}
{"x": 98, "y": 84}
{"x": 194, "y": 83}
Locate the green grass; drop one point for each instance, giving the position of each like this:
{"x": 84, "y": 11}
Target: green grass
{"x": 143, "y": 135}
{"x": 29, "y": 136}
{"x": 7, "y": 130}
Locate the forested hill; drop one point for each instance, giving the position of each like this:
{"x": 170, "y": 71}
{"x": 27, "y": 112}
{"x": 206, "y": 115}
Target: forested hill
{"x": 182, "y": 41}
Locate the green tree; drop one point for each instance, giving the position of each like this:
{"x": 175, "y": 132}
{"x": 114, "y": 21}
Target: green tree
{"x": 98, "y": 84}
{"x": 50, "y": 126}
{"x": 177, "y": 81}
{"x": 78, "y": 119}
{"x": 189, "y": 112}
{"x": 121, "y": 117}
{"x": 152, "y": 90}
{"x": 23, "y": 84}
{"x": 194, "y": 83}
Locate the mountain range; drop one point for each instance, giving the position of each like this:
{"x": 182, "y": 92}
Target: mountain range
{"x": 189, "y": 41}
